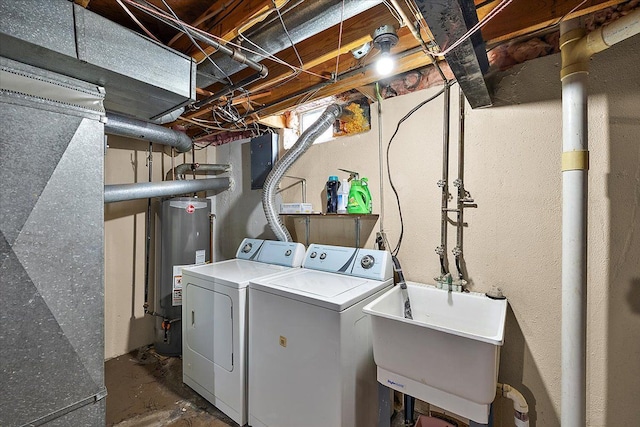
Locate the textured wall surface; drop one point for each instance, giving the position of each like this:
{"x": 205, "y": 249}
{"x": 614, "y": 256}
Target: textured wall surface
{"x": 51, "y": 266}
{"x": 126, "y": 325}
{"x": 238, "y": 211}
{"x": 513, "y": 238}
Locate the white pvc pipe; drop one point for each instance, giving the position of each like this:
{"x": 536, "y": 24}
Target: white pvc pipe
{"x": 574, "y": 251}
{"x": 520, "y": 406}
{"x": 622, "y": 28}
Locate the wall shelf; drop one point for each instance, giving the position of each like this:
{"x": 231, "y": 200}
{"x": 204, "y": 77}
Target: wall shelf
{"x": 330, "y": 229}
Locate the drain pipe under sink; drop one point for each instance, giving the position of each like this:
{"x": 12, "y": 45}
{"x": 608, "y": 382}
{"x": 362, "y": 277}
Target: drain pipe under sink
{"x": 520, "y": 407}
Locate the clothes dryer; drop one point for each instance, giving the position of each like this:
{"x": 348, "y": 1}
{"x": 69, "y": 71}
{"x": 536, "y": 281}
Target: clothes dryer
{"x": 214, "y": 320}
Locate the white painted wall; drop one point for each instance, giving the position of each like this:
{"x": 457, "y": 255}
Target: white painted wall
{"x": 513, "y": 239}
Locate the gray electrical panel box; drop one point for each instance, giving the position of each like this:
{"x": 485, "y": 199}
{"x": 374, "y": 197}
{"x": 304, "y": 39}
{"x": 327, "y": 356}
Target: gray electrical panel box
{"x": 264, "y": 153}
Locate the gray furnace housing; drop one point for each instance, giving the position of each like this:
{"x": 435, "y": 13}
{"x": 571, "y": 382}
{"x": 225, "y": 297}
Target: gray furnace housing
{"x": 185, "y": 239}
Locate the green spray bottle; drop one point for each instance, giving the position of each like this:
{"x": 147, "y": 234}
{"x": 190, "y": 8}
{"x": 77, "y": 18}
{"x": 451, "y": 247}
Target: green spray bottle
{"x": 359, "y": 196}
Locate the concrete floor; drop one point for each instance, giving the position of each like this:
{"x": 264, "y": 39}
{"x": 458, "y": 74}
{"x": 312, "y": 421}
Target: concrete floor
{"x": 146, "y": 389}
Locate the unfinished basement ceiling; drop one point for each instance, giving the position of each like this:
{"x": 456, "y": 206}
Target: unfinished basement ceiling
{"x": 324, "y": 32}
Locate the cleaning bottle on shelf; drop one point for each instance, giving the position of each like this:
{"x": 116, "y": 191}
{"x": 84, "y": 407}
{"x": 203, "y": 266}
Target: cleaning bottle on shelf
{"x": 332, "y": 194}
{"x": 365, "y": 185}
{"x": 343, "y": 196}
{"x": 359, "y": 198}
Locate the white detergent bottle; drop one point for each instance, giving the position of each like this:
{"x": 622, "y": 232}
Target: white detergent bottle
{"x": 343, "y": 196}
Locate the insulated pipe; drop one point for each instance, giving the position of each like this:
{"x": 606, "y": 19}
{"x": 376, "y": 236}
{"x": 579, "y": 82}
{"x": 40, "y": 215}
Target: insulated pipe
{"x": 121, "y": 192}
{"x": 180, "y": 170}
{"x": 326, "y": 119}
{"x": 138, "y": 129}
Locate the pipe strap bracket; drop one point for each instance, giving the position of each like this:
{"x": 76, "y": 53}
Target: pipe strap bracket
{"x": 575, "y": 160}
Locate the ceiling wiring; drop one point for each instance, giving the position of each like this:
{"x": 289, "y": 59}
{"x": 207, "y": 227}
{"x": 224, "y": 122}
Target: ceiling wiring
{"x": 499, "y": 8}
{"x": 393, "y": 11}
{"x": 284, "y": 27}
{"x": 206, "y": 56}
{"x": 134, "y": 19}
{"x": 159, "y": 13}
{"x": 335, "y": 75}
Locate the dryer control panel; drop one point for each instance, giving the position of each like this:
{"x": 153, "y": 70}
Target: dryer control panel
{"x": 367, "y": 263}
{"x": 289, "y": 254}
{"x": 249, "y": 249}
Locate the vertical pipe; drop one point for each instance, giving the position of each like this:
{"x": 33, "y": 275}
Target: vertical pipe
{"x": 574, "y": 247}
{"x": 444, "y": 183}
{"x": 380, "y": 159}
{"x": 458, "y": 251}
{"x": 147, "y": 252}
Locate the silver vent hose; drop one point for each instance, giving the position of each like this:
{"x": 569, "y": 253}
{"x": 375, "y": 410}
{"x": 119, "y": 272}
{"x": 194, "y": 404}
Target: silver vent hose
{"x": 280, "y": 169}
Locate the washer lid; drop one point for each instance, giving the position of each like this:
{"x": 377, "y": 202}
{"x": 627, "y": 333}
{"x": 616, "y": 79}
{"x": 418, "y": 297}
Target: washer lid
{"x": 329, "y": 290}
{"x": 235, "y": 273}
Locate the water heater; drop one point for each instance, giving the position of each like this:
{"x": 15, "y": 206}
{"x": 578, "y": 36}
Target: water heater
{"x": 185, "y": 240}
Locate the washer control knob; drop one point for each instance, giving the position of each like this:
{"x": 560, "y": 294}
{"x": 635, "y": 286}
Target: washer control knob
{"x": 323, "y": 255}
{"x": 313, "y": 254}
{"x": 367, "y": 262}
{"x": 246, "y": 248}
{"x": 288, "y": 252}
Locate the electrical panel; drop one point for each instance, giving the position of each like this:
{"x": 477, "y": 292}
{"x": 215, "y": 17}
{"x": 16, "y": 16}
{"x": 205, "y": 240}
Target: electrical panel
{"x": 264, "y": 153}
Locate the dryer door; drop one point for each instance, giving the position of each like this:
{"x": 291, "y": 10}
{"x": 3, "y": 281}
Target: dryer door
{"x": 209, "y": 325}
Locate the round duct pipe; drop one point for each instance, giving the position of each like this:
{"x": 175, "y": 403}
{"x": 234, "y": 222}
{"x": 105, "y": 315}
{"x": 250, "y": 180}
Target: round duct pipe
{"x": 145, "y": 190}
{"x": 138, "y": 129}
{"x": 275, "y": 176}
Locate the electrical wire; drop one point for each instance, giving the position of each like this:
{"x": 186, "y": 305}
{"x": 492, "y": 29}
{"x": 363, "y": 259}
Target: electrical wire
{"x": 395, "y": 191}
{"x": 206, "y": 55}
{"x": 274, "y": 58}
{"x": 393, "y": 11}
{"x": 335, "y": 75}
{"x": 134, "y": 19}
{"x": 495, "y": 11}
{"x": 284, "y": 27}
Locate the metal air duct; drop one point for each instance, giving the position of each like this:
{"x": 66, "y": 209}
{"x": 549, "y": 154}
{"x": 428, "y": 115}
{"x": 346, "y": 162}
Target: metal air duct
{"x": 145, "y": 190}
{"x": 302, "y": 23}
{"x": 199, "y": 168}
{"x": 449, "y": 21}
{"x": 138, "y": 129}
{"x": 142, "y": 78}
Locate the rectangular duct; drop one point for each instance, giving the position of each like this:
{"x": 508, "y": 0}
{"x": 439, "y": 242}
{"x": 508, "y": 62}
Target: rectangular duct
{"x": 51, "y": 249}
{"x": 142, "y": 78}
{"x": 448, "y": 22}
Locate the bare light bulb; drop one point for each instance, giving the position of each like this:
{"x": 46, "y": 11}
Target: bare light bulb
{"x": 385, "y": 64}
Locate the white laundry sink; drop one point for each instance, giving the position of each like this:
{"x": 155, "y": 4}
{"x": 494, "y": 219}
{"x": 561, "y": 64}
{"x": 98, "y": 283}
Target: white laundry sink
{"x": 448, "y": 354}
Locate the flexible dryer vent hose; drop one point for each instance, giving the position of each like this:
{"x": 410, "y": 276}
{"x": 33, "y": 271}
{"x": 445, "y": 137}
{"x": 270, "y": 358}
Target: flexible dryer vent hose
{"x": 299, "y": 148}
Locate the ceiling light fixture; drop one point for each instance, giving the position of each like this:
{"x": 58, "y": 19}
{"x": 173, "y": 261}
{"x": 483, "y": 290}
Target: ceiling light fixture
{"x": 384, "y": 38}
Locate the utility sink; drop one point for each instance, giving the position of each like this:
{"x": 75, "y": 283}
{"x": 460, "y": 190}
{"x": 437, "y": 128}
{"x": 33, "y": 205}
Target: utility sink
{"x": 448, "y": 354}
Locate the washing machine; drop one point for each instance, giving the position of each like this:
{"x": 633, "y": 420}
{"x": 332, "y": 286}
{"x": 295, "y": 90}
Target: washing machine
{"x": 310, "y": 353}
{"x": 214, "y": 320}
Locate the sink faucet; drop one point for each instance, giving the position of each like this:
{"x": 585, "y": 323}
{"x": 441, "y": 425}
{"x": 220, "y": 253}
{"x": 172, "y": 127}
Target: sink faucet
{"x": 447, "y": 283}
